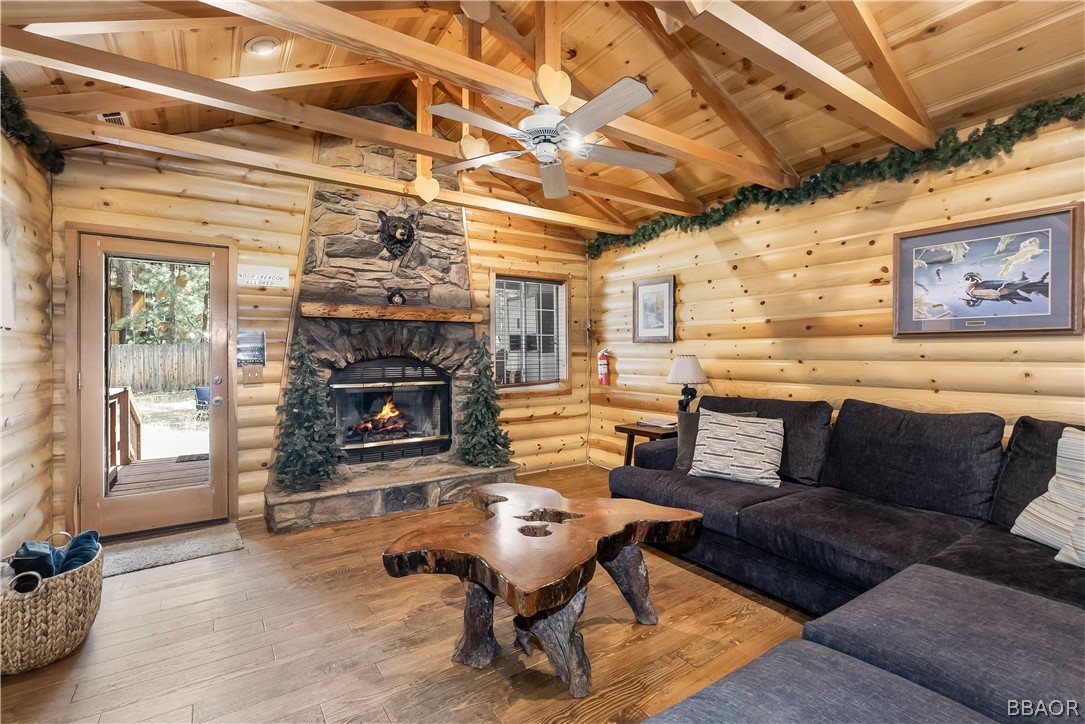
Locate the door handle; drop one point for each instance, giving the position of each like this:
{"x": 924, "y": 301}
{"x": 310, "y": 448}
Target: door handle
{"x": 216, "y": 401}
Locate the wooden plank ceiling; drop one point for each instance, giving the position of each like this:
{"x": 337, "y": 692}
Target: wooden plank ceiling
{"x": 744, "y": 92}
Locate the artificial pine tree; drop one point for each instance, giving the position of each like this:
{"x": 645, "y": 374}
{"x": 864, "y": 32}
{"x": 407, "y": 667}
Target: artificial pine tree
{"x": 483, "y": 442}
{"x": 307, "y": 453}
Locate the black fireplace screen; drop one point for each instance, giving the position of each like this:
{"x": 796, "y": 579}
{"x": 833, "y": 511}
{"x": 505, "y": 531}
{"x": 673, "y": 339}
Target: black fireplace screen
{"x": 392, "y": 408}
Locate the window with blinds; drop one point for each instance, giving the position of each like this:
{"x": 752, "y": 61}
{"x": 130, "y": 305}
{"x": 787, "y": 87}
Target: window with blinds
{"x": 530, "y": 331}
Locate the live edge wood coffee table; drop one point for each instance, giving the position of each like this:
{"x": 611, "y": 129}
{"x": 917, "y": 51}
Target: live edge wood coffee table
{"x": 537, "y": 551}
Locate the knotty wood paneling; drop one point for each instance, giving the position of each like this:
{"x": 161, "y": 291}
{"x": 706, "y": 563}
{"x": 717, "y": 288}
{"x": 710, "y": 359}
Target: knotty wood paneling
{"x": 796, "y": 303}
{"x": 262, "y": 215}
{"x": 26, "y": 384}
{"x": 548, "y": 430}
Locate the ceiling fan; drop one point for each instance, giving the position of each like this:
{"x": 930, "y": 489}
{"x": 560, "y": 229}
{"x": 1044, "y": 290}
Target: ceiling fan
{"x": 546, "y": 131}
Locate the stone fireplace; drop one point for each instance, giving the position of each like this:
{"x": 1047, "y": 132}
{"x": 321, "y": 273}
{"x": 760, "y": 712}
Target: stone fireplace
{"x": 398, "y": 374}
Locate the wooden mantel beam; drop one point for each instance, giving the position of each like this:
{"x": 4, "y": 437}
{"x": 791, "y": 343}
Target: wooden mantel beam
{"x": 679, "y": 55}
{"x": 857, "y": 19}
{"x": 315, "y": 20}
{"x": 741, "y": 32}
{"x": 73, "y": 58}
{"x": 133, "y": 99}
{"x": 190, "y": 148}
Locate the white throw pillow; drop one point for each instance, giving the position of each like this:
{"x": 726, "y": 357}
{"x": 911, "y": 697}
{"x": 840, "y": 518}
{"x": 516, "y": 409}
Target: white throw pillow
{"x": 1050, "y": 518}
{"x": 1074, "y": 551}
{"x": 744, "y": 449}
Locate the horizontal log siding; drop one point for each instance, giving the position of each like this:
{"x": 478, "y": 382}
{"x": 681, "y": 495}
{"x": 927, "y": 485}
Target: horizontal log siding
{"x": 796, "y": 303}
{"x": 26, "y": 484}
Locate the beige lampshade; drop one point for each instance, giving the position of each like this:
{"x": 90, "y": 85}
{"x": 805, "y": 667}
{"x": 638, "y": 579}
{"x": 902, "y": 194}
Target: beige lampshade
{"x": 686, "y": 370}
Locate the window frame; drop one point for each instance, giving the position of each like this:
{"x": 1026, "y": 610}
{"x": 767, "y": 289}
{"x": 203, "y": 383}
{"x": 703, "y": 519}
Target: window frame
{"x": 512, "y": 389}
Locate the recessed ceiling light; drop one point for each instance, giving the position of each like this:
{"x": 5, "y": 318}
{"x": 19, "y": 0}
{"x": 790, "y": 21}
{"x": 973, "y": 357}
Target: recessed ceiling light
{"x": 263, "y": 45}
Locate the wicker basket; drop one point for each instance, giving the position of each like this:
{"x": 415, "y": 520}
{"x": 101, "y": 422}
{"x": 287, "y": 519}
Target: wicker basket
{"x": 46, "y": 624}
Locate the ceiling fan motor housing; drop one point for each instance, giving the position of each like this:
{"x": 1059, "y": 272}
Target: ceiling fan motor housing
{"x": 541, "y": 126}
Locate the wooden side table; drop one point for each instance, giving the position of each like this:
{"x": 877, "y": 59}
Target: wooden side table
{"x": 648, "y": 431}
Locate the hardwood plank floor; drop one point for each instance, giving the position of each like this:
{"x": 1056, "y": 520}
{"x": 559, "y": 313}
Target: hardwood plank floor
{"x": 307, "y": 627}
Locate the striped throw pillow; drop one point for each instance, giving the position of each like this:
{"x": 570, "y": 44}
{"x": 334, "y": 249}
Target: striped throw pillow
{"x": 1074, "y": 551}
{"x": 744, "y": 449}
{"x": 1050, "y": 518}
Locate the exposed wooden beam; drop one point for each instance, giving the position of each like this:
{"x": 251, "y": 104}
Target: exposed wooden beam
{"x": 133, "y": 99}
{"x": 529, "y": 171}
{"x": 423, "y": 123}
{"x": 866, "y": 35}
{"x": 679, "y": 55}
{"x": 604, "y": 208}
{"x": 59, "y": 19}
{"x": 741, "y": 32}
{"x": 320, "y": 22}
{"x": 180, "y": 146}
{"x": 73, "y": 58}
{"x": 547, "y": 34}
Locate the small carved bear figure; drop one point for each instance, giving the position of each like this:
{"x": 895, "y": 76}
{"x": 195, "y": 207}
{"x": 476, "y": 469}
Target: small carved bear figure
{"x": 397, "y": 232}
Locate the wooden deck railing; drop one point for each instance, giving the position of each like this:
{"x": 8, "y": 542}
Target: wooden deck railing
{"x": 125, "y": 426}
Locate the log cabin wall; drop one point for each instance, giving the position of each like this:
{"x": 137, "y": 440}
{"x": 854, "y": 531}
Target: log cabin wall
{"x": 796, "y": 303}
{"x": 26, "y": 497}
{"x": 548, "y": 428}
{"x": 260, "y": 214}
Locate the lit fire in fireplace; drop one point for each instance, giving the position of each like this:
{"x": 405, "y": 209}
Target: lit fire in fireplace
{"x": 389, "y": 419}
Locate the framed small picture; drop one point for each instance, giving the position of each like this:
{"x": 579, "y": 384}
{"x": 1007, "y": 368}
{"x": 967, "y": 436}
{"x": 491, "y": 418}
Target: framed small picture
{"x": 1014, "y": 274}
{"x": 653, "y": 309}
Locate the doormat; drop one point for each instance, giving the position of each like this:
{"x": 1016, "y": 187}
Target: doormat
{"x": 163, "y": 550}
{"x": 192, "y": 458}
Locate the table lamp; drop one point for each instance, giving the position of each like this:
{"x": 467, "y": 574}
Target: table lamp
{"x": 686, "y": 371}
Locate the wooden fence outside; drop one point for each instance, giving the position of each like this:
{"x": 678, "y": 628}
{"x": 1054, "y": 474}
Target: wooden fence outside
{"x": 159, "y": 367}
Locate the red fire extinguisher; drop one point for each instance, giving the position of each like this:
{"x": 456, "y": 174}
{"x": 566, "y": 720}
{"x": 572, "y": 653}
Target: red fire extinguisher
{"x": 604, "y": 366}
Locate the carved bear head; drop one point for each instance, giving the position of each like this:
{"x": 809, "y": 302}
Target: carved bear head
{"x": 397, "y": 232}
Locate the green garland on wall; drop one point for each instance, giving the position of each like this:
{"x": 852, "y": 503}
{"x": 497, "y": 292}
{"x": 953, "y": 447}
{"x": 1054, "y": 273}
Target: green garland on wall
{"x": 898, "y": 164}
{"x": 17, "y": 125}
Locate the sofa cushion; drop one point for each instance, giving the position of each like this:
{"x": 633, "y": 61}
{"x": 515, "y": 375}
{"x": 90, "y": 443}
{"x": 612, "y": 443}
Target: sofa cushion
{"x": 656, "y": 454}
{"x": 996, "y": 555}
{"x": 1029, "y": 465}
{"x": 973, "y": 641}
{"x": 798, "y": 681}
{"x": 1049, "y": 518}
{"x": 861, "y": 540}
{"x": 944, "y": 463}
{"x": 737, "y": 448}
{"x": 719, "y": 501}
{"x": 806, "y": 431}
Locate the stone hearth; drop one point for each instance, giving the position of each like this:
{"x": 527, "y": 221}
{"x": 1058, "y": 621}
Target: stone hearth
{"x": 372, "y": 490}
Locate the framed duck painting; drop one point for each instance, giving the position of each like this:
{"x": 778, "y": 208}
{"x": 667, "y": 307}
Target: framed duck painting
{"x": 1013, "y": 274}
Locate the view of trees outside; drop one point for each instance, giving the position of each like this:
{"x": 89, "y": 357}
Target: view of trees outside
{"x": 158, "y": 337}
{"x": 159, "y": 302}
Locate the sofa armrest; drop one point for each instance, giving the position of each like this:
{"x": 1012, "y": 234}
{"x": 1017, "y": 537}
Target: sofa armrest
{"x": 657, "y": 454}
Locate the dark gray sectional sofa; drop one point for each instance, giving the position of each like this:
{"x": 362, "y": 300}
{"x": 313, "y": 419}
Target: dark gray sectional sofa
{"x": 895, "y": 525}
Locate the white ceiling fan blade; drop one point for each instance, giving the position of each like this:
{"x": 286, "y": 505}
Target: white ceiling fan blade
{"x": 614, "y": 102}
{"x": 478, "y": 161}
{"x": 458, "y": 113}
{"x": 630, "y": 159}
{"x": 555, "y": 184}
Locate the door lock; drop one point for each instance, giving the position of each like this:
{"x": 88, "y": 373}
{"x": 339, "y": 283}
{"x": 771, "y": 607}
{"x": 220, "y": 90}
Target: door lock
{"x": 216, "y": 401}
{"x": 217, "y": 379}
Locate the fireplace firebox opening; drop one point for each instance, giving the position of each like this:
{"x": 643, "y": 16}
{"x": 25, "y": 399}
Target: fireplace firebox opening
{"x": 392, "y": 409}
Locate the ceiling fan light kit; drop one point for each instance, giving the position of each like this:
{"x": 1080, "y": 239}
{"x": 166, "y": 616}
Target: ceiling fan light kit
{"x": 546, "y": 132}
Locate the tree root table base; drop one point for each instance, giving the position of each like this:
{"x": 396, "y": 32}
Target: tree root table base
{"x": 537, "y": 551}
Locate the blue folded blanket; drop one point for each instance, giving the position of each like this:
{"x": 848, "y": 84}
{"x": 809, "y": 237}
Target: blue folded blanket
{"x": 45, "y": 560}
